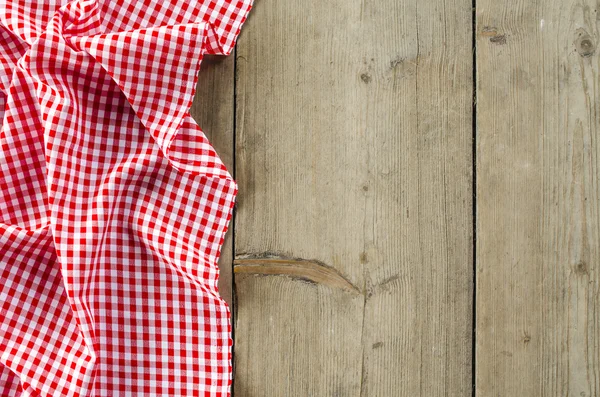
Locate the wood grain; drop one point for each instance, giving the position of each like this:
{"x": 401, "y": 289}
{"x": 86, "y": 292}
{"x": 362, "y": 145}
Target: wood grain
{"x": 354, "y": 159}
{"x": 213, "y": 111}
{"x": 538, "y": 198}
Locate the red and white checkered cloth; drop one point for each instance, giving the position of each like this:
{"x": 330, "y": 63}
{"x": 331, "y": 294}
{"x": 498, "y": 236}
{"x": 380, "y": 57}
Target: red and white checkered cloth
{"x": 113, "y": 204}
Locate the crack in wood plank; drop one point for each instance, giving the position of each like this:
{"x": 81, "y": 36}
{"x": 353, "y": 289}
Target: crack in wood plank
{"x": 308, "y": 270}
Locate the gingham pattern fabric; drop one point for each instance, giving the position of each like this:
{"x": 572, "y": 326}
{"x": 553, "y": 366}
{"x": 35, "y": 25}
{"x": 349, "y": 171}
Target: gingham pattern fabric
{"x": 113, "y": 204}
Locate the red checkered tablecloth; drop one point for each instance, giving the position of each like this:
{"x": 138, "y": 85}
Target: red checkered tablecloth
{"x": 113, "y": 204}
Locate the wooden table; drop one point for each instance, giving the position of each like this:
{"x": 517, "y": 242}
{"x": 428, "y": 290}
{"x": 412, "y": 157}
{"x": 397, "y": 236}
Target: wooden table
{"x": 419, "y": 204}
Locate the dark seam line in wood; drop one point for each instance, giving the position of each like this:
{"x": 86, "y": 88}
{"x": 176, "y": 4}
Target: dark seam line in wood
{"x": 474, "y": 204}
{"x": 232, "y": 227}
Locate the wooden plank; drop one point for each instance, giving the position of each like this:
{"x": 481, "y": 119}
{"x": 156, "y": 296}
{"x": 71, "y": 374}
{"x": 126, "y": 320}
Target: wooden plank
{"x": 538, "y": 206}
{"x": 353, "y": 238}
{"x": 213, "y": 111}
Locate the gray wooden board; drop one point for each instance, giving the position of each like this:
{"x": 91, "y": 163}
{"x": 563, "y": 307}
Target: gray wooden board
{"x": 538, "y": 199}
{"x": 353, "y": 232}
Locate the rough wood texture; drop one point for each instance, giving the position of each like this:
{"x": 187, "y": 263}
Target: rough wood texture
{"x": 353, "y": 154}
{"x": 213, "y": 111}
{"x": 538, "y": 198}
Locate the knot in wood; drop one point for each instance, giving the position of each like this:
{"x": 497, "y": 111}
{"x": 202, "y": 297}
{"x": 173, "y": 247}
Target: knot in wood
{"x": 585, "y": 45}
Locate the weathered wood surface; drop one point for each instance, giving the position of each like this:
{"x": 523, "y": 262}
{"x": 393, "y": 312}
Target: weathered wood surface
{"x": 213, "y": 111}
{"x": 538, "y": 198}
{"x": 353, "y": 229}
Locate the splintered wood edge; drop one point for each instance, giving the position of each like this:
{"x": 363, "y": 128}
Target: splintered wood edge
{"x": 312, "y": 271}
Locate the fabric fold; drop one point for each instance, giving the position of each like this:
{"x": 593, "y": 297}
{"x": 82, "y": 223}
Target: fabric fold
{"x": 167, "y": 62}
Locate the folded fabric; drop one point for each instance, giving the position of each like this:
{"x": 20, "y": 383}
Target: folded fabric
{"x": 113, "y": 204}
